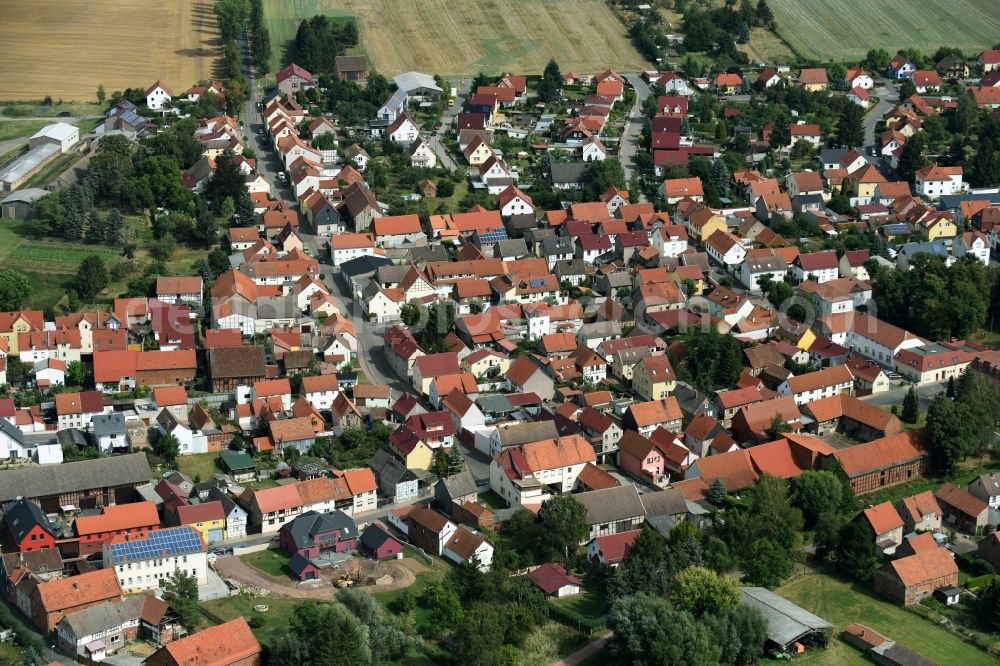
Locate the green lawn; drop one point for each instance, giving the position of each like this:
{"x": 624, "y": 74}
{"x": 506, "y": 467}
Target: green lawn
{"x": 14, "y": 129}
{"x": 35, "y": 110}
{"x": 279, "y": 612}
{"x": 550, "y": 642}
{"x": 589, "y": 603}
{"x": 271, "y": 561}
{"x": 842, "y": 602}
{"x": 201, "y": 465}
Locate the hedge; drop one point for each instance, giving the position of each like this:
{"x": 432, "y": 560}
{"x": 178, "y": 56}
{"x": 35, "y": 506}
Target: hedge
{"x": 978, "y": 581}
{"x": 574, "y": 620}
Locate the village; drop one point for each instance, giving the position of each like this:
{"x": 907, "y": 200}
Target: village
{"x": 567, "y": 367}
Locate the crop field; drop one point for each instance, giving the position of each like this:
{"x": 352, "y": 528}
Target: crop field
{"x": 65, "y": 48}
{"x": 452, "y": 37}
{"x": 846, "y": 29}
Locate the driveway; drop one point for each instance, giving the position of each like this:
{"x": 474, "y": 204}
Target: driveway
{"x": 894, "y": 396}
{"x": 587, "y": 651}
{"x": 216, "y": 588}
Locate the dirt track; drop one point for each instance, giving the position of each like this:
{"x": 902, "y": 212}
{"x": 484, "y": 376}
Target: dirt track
{"x": 403, "y": 574}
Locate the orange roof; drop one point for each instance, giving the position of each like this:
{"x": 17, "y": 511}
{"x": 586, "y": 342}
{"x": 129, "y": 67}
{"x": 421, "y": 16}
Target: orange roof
{"x": 360, "y": 480}
{"x": 87, "y": 588}
{"x": 118, "y": 517}
{"x": 733, "y": 468}
{"x": 292, "y": 430}
{"x": 813, "y": 381}
{"x": 320, "y": 383}
{"x": 882, "y": 453}
{"x": 351, "y": 241}
{"x": 279, "y": 498}
{"x": 683, "y": 187}
{"x": 924, "y": 566}
{"x": 397, "y": 224}
{"x": 221, "y": 645}
{"x": 169, "y": 396}
{"x": 553, "y": 454}
{"x": 595, "y": 478}
{"x": 656, "y": 411}
{"x": 961, "y": 500}
{"x": 920, "y": 505}
{"x": 271, "y": 387}
{"x": 313, "y": 491}
{"x": 883, "y": 518}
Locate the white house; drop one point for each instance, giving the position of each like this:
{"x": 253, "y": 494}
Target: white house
{"x": 726, "y": 249}
{"x": 466, "y": 546}
{"x": 935, "y": 181}
{"x": 859, "y": 78}
{"x": 158, "y": 96}
{"x": 974, "y": 243}
{"x": 320, "y": 391}
{"x": 421, "y": 155}
{"x": 755, "y": 268}
{"x": 819, "y": 384}
{"x": 11, "y": 442}
{"x": 593, "y": 150}
{"x": 191, "y": 439}
{"x": 513, "y": 201}
{"x": 522, "y": 474}
{"x": 670, "y": 240}
{"x": 344, "y": 247}
{"x": 819, "y": 266}
{"x": 141, "y": 562}
{"x": 402, "y": 130}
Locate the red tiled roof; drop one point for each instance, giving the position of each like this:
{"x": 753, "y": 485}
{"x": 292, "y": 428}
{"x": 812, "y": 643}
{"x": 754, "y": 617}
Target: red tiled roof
{"x": 882, "y": 453}
{"x": 883, "y": 518}
{"x": 221, "y": 645}
{"x": 118, "y": 517}
{"x": 924, "y": 566}
{"x": 551, "y": 577}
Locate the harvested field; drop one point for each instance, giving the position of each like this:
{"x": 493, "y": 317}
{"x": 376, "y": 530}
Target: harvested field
{"x": 66, "y": 48}
{"x": 847, "y": 29}
{"x": 449, "y": 37}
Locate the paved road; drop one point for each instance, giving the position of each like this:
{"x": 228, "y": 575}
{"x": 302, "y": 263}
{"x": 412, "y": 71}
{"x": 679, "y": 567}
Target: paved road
{"x": 587, "y": 651}
{"x": 434, "y": 140}
{"x": 888, "y": 98}
{"x": 894, "y": 396}
{"x": 631, "y": 138}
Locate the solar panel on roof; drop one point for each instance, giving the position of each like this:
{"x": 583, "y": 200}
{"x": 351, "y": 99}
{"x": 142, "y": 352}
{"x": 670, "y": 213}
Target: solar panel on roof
{"x": 159, "y": 543}
{"x": 536, "y": 282}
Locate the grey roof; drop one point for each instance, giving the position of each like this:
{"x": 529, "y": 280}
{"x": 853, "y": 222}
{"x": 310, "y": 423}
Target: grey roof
{"x": 22, "y": 515}
{"x": 557, "y": 245}
{"x": 108, "y": 424}
{"x": 601, "y": 329}
{"x": 460, "y": 484}
{"x": 298, "y": 564}
{"x": 668, "y": 502}
{"x": 416, "y": 81}
{"x": 894, "y": 653}
{"x": 786, "y": 622}
{"x": 104, "y": 616}
{"x": 568, "y": 172}
{"x": 12, "y": 431}
{"x": 41, "y": 561}
{"x": 27, "y": 163}
{"x": 427, "y": 253}
{"x": 570, "y": 267}
{"x": 390, "y": 470}
{"x": 991, "y": 483}
{"x": 304, "y": 529}
{"x": 69, "y": 477}
{"x": 362, "y": 266}
{"x": 391, "y": 274}
{"x": 953, "y": 201}
{"x": 832, "y": 155}
{"x": 928, "y": 247}
{"x": 512, "y": 247}
{"x": 609, "y": 505}
{"x": 27, "y": 195}
{"x": 228, "y": 503}
{"x": 772, "y": 263}
{"x": 374, "y": 536}
{"x": 516, "y": 434}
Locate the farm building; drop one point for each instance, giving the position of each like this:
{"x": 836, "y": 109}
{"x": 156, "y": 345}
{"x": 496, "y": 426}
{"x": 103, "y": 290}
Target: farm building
{"x": 787, "y": 624}
{"x": 17, "y": 206}
{"x": 63, "y": 135}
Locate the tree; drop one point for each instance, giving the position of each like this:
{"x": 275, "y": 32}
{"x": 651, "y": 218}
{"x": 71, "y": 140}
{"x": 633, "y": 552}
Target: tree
{"x": 765, "y": 15}
{"x": 565, "y": 522}
{"x": 877, "y": 60}
{"x": 14, "y": 289}
{"x": 386, "y": 640}
{"x": 911, "y": 406}
{"x": 91, "y": 277}
{"x": 850, "y": 127}
{"x": 17, "y": 371}
{"x": 816, "y": 491}
{"x": 550, "y": 85}
{"x": 781, "y": 135}
{"x": 456, "y": 461}
{"x": 647, "y": 631}
{"x": 701, "y": 591}
{"x": 741, "y": 633}
{"x": 101, "y": 95}
{"x": 76, "y": 372}
{"x": 778, "y": 427}
{"x": 855, "y": 552}
{"x": 716, "y": 492}
{"x": 767, "y": 563}
{"x": 166, "y": 446}
{"x": 601, "y": 176}
{"x": 326, "y": 634}
{"x": 648, "y": 568}
{"x": 950, "y": 393}
{"x": 480, "y": 639}
{"x": 444, "y": 605}
{"x": 911, "y": 158}
{"x": 953, "y": 432}
{"x": 180, "y": 590}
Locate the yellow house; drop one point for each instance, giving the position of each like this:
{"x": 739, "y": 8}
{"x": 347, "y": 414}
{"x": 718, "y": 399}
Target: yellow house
{"x": 13, "y": 324}
{"x": 702, "y": 223}
{"x": 653, "y": 377}
{"x": 865, "y": 180}
{"x": 207, "y": 518}
{"x": 477, "y": 152}
{"x": 940, "y": 227}
{"x": 412, "y": 450}
{"x": 481, "y": 361}
{"x": 813, "y": 79}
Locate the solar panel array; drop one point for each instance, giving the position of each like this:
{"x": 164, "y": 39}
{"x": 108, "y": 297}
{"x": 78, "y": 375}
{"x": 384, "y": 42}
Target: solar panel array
{"x": 896, "y": 228}
{"x": 493, "y": 235}
{"x": 159, "y": 543}
{"x": 537, "y": 282}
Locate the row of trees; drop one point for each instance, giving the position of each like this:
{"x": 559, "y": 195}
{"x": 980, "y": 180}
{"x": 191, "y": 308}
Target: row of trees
{"x": 717, "y": 30}
{"x": 321, "y": 39}
{"x": 231, "y": 16}
{"x": 963, "y": 426}
{"x": 260, "y": 38}
{"x": 937, "y": 301}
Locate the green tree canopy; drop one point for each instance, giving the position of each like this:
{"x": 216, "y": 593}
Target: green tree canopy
{"x": 648, "y": 632}
{"x": 701, "y": 591}
{"x": 91, "y": 277}
{"x": 14, "y": 289}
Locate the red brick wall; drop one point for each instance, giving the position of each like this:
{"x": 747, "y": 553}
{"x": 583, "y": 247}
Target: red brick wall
{"x": 892, "y": 476}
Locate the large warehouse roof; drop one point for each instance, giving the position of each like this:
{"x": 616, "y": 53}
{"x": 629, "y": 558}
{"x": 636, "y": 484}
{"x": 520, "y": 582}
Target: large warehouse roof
{"x": 786, "y": 622}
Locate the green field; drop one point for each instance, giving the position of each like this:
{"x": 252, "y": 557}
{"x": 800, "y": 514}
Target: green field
{"x": 270, "y": 561}
{"x": 846, "y": 29}
{"x": 201, "y": 465}
{"x": 841, "y": 603}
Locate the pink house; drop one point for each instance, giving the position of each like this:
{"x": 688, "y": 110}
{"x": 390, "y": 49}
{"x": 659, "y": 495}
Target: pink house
{"x": 642, "y": 458}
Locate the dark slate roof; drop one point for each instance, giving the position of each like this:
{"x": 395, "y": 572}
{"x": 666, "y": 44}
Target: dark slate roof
{"x": 108, "y": 424}
{"x": 73, "y": 436}
{"x": 310, "y": 523}
{"x": 235, "y": 460}
{"x": 22, "y": 515}
{"x": 611, "y": 504}
{"x": 389, "y": 469}
{"x": 460, "y": 484}
{"x": 374, "y": 536}
{"x": 298, "y": 564}
{"x": 12, "y": 431}
{"x": 69, "y": 477}
{"x": 362, "y": 266}
{"x": 568, "y": 172}
{"x": 669, "y": 502}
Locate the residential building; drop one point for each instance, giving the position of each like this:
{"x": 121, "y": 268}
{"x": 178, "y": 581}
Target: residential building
{"x": 141, "y": 562}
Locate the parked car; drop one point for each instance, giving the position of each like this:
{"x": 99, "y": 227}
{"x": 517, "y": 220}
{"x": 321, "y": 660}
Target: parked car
{"x": 64, "y": 114}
